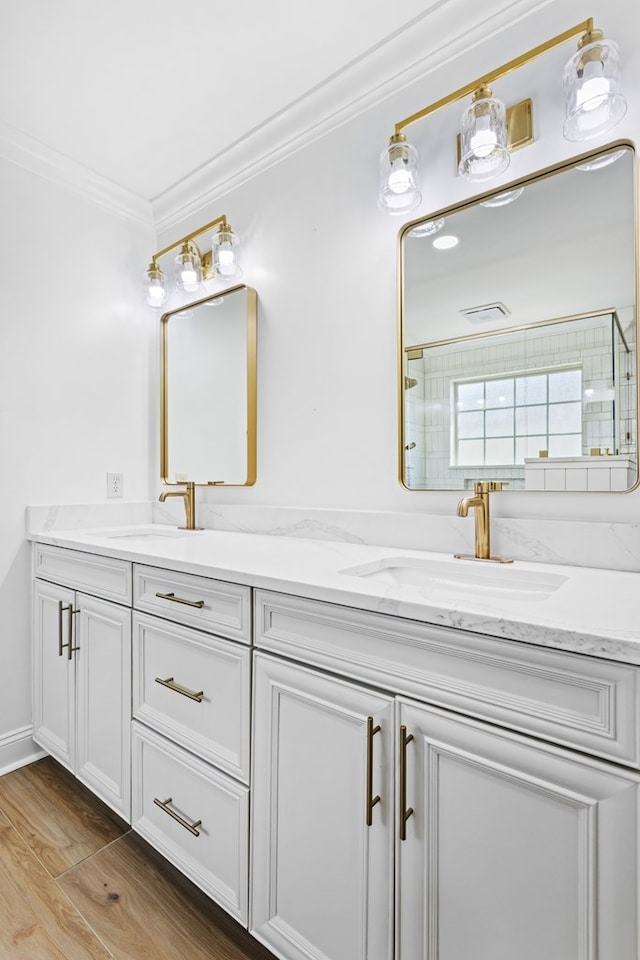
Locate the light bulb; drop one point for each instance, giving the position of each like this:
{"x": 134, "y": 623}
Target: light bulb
{"x": 188, "y": 276}
{"x": 189, "y": 269}
{"x": 155, "y": 286}
{"x": 224, "y": 249}
{"x": 483, "y": 138}
{"x": 156, "y": 294}
{"x": 594, "y": 100}
{"x": 226, "y": 260}
{"x": 399, "y": 179}
{"x": 399, "y": 193}
{"x": 593, "y": 92}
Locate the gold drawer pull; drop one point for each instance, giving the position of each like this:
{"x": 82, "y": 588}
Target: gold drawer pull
{"x": 172, "y": 685}
{"x": 191, "y": 827}
{"x": 371, "y": 800}
{"x": 405, "y": 812}
{"x": 189, "y": 603}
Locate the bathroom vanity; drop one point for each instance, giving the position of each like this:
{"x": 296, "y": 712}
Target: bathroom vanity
{"x": 358, "y": 752}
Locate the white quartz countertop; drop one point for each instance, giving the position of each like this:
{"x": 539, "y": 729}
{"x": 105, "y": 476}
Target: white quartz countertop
{"x": 584, "y": 610}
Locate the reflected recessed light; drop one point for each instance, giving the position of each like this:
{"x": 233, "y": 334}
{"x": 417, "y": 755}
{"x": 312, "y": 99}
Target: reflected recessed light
{"x": 446, "y": 242}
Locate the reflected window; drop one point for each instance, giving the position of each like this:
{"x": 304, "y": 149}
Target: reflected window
{"x": 502, "y": 420}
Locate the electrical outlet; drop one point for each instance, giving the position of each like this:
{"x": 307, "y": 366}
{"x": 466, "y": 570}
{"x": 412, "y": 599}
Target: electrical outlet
{"x": 114, "y": 484}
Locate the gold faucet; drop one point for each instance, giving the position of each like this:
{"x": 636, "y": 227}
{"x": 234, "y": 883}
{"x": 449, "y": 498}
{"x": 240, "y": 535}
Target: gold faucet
{"x": 189, "y": 495}
{"x": 479, "y": 502}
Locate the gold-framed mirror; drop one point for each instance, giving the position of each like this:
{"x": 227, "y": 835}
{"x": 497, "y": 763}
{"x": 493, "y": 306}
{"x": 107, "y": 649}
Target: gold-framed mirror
{"x": 208, "y": 391}
{"x": 518, "y": 341}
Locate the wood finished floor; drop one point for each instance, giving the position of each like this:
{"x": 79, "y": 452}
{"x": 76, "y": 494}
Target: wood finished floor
{"x": 77, "y": 884}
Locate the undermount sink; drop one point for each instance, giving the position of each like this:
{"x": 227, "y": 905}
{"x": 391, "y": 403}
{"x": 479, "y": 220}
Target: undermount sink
{"x": 154, "y": 535}
{"x": 464, "y": 577}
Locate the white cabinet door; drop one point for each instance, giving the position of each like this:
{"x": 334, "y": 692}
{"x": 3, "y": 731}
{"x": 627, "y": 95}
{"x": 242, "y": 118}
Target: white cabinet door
{"x": 321, "y": 875}
{"x": 513, "y": 849}
{"x": 54, "y": 704}
{"x": 103, "y": 681}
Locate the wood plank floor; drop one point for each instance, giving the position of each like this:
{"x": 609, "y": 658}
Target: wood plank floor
{"x": 77, "y": 884}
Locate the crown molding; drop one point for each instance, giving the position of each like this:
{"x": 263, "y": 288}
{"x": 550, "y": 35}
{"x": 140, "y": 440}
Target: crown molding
{"x": 32, "y": 155}
{"x": 360, "y": 85}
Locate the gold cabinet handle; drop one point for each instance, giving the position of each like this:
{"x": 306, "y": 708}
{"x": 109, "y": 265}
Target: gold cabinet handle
{"x": 405, "y": 812}
{"x": 191, "y": 827}
{"x": 174, "y": 599}
{"x": 371, "y": 800}
{"x": 61, "y": 608}
{"x": 70, "y": 647}
{"x": 68, "y": 607}
{"x": 172, "y": 685}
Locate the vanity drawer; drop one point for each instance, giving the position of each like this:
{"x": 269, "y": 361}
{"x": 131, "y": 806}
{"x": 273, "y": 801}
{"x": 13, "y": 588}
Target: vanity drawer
{"x": 99, "y": 576}
{"x": 207, "y": 706}
{"x": 582, "y": 702}
{"x": 214, "y": 852}
{"x": 211, "y": 605}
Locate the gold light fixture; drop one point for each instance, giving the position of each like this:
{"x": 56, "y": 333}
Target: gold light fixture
{"x": 194, "y": 266}
{"x": 489, "y": 133}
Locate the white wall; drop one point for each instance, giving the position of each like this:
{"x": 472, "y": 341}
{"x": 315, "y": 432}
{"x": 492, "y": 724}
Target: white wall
{"x": 323, "y": 260}
{"x": 77, "y": 383}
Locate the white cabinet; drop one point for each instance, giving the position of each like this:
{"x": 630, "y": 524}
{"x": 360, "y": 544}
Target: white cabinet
{"x": 82, "y": 688}
{"x": 506, "y": 846}
{"x": 191, "y": 728}
{"x": 512, "y": 849}
{"x": 322, "y": 866}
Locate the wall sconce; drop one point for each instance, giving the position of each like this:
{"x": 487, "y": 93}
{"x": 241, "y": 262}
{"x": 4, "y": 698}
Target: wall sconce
{"x": 594, "y": 104}
{"x": 193, "y": 266}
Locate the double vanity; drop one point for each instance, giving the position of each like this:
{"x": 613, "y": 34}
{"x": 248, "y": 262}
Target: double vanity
{"x": 359, "y": 752}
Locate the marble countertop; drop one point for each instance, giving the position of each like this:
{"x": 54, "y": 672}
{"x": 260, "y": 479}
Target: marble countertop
{"x": 581, "y": 609}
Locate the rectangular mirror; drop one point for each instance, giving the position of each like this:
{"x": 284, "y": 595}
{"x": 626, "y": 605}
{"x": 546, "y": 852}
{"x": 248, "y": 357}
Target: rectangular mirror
{"x": 518, "y": 357}
{"x": 208, "y": 390}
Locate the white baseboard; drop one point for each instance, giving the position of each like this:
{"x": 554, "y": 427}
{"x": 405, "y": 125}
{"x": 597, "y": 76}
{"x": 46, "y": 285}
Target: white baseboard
{"x": 17, "y": 749}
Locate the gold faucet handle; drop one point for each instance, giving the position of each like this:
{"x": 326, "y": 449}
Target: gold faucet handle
{"x": 489, "y": 486}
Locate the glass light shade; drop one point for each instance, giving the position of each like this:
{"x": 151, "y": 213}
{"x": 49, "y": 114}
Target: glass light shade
{"x": 483, "y": 134}
{"x": 602, "y": 160}
{"x": 399, "y": 193}
{"x": 594, "y": 100}
{"x": 428, "y": 228}
{"x": 502, "y": 199}
{"x": 155, "y": 286}
{"x": 189, "y": 276}
{"x": 224, "y": 249}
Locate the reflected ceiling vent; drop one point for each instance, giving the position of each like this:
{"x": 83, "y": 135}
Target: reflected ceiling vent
{"x": 486, "y": 313}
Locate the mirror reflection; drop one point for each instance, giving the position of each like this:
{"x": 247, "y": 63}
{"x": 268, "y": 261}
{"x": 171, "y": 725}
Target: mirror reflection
{"x": 518, "y": 335}
{"x": 208, "y": 390}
